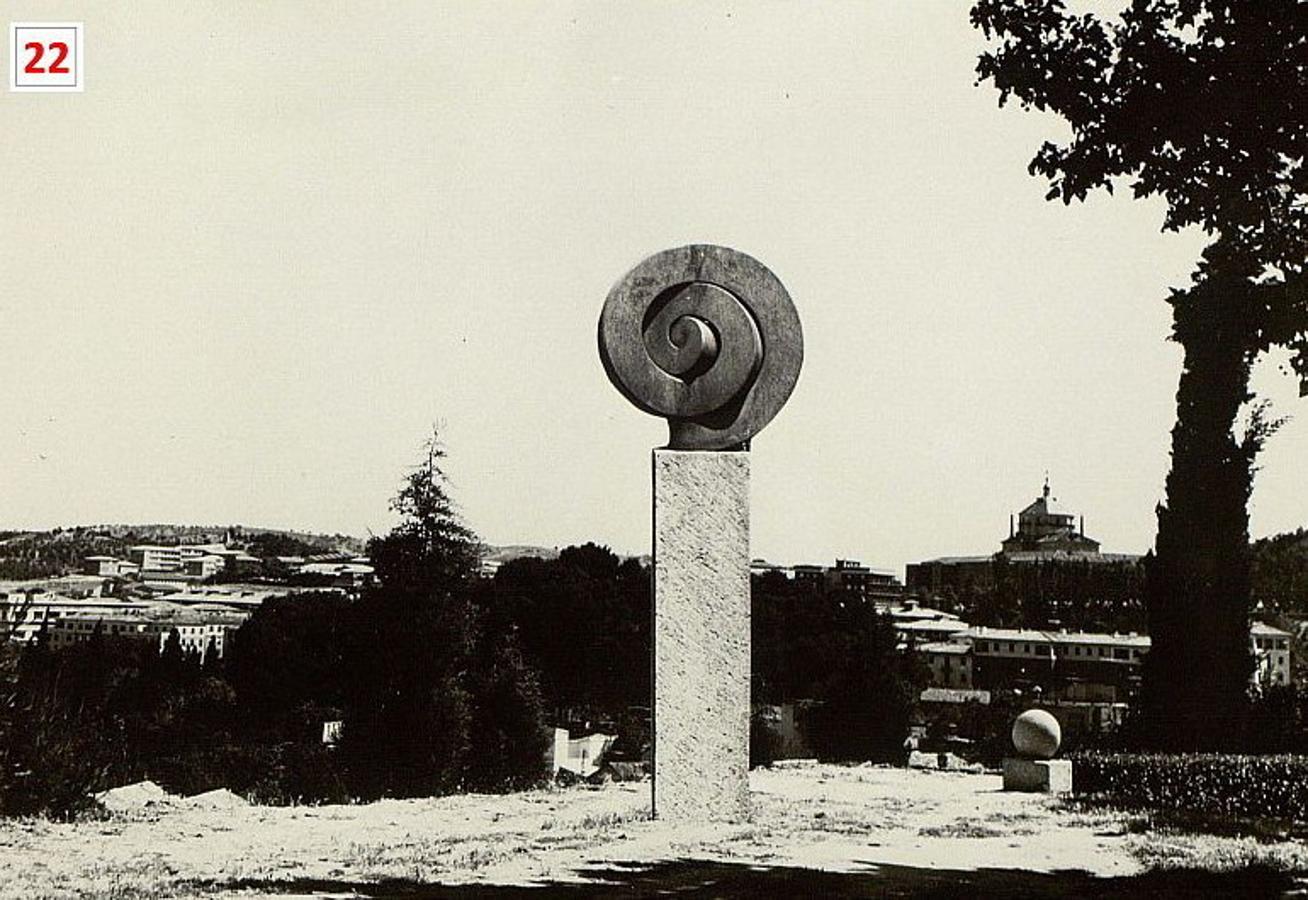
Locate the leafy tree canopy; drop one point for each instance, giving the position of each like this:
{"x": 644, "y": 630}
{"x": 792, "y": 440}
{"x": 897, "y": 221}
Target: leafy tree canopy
{"x": 1199, "y": 102}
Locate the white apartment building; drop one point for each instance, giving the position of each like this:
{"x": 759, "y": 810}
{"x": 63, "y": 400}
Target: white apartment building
{"x": 1271, "y": 647}
{"x": 156, "y": 558}
{"x": 198, "y": 634}
{"x": 23, "y": 615}
{"x": 108, "y": 566}
{"x": 1091, "y": 663}
{"x": 950, "y": 663}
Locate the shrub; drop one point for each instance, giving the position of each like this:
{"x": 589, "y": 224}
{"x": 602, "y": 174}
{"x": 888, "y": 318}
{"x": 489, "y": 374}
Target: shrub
{"x": 1225, "y": 785}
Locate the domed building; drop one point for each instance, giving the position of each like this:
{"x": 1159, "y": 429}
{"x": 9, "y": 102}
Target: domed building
{"x": 1042, "y": 529}
{"x": 1038, "y": 534}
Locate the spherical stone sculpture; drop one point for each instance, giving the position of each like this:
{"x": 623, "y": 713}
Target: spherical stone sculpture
{"x": 1036, "y": 735}
{"x": 706, "y": 337}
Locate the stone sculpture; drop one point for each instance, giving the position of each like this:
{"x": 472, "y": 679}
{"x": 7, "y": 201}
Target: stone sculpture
{"x": 1036, "y": 738}
{"x": 708, "y": 338}
{"x": 1037, "y": 734}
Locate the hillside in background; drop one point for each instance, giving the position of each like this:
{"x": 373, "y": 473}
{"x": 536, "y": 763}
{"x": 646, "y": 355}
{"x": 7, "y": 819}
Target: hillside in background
{"x": 47, "y": 554}
{"x": 518, "y": 551}
{"x": 506, "y": 552}
{"x": 44, "y": 554}
{"x": 1280, "y": 572}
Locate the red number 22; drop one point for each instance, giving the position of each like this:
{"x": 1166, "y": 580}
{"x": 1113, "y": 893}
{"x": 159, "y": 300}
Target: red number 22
{"x": 38, "y": 50}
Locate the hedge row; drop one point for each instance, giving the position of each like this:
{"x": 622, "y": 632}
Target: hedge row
{"x": 1212, "y": 784}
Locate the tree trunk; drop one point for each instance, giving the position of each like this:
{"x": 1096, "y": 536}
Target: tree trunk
{"x": 1196, "y": 676}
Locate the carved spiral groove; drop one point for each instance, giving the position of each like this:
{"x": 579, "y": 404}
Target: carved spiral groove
{"x": 706, "y": 337}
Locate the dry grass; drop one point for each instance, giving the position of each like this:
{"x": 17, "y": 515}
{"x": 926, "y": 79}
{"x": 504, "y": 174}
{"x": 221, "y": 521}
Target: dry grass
{"x": 827, "y": 817}
{"x": 964, "y": 828}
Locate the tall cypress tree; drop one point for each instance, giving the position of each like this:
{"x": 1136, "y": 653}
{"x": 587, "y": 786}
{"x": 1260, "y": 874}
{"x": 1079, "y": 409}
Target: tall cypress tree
{"x": 1200, "y": 102}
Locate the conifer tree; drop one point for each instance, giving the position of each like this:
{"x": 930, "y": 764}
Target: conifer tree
{"x": 1201, "y": 103}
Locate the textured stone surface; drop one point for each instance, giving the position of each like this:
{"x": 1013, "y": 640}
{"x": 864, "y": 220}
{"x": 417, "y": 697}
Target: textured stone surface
{"x": 1049, "y": 776}
{"x": 706, "y": 336}
{"x": 1037, "y": 734}
{"x": 701, "y": 635}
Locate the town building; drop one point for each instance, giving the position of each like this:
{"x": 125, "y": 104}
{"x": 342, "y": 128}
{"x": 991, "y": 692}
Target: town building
{"x": 240, "y": 597}
{"x": 846, "y": 576}
{"x": 80, "y": 626}
{"x": 108, "y": 567}
{"x": 347, "y": 575}
{"x": 809, "y": 575}
{"x": 203, "y": 566}
{"x": 1072, "y": 666}
{"x": 1039, "y": 534}
{"x": 949, "y": 662}
{"x": 189, "y": 561}
{"x": 579, "y": 755}
{"x": 201, "y": 637}
{"x": 155, "y": 558}
{"x": 1041, "y": 529}
{"x": 1271, "y": 648}
{"x": 916, "y": 624}
{"x": 198, "y": 635}
{"x": 23, "y": 614}
{"x": 1076, "y": 666}
{"x": 26, "y": 607}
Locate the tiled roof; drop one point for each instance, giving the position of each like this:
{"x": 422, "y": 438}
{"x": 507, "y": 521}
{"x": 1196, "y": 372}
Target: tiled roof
{"x": 1057, "y": 637}
{"x": 953, "y": 695}
{"x": 951, "y": 647}
{"x": 956, "y": 560}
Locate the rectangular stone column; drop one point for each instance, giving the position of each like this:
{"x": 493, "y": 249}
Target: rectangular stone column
{"x": 701, "y": 635}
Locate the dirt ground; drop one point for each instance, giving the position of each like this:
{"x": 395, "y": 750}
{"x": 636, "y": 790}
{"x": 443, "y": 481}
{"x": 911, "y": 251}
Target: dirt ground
{"x": 816, "y": 830}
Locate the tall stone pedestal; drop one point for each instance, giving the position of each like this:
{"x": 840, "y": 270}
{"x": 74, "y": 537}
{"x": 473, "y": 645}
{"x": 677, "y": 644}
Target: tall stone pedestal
{"x": 701, "y": 635}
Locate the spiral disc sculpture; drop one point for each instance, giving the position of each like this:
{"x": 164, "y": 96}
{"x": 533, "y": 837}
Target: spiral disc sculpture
{"x": 708, "y": 338}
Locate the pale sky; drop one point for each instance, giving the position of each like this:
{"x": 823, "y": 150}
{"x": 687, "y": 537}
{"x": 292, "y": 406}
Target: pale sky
{"x": 272, "y": 243}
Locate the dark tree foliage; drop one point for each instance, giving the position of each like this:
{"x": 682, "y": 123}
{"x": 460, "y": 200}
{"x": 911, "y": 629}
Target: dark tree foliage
{"x": 273, "y": 543}
{"x": 839, "y": 650}
{"x": 1280, "y": 573}
{"x": 419, "y": 691}
{"x": 48, "y": 759}
{"x": 433, "y": 700}
{"x": 508, "y": 721}
{"x": 47, "y": 554}
{"x": 108, "y": 712}
{"x": 583, "y": 621}
{"x": 1078, "y": 596}
{"x": 408, "y": 708}
{"x": 288, "y": 667}
{"x": 1201, "y": 103}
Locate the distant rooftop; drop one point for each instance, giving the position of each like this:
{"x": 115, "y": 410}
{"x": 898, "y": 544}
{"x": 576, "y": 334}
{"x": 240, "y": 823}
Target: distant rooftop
{"x": 954, "y": 695}
{"x": 1032, "y": 635}
{"x": 951, "y": 647}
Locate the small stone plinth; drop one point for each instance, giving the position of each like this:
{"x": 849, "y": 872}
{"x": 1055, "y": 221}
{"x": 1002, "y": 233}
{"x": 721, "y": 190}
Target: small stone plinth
{"x": 1044, "y": 776}
{"x": 701, "y": 635}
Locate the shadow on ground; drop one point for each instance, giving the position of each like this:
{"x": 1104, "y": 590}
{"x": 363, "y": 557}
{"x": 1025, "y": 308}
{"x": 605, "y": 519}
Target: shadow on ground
{"x": 697, "y": 878}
